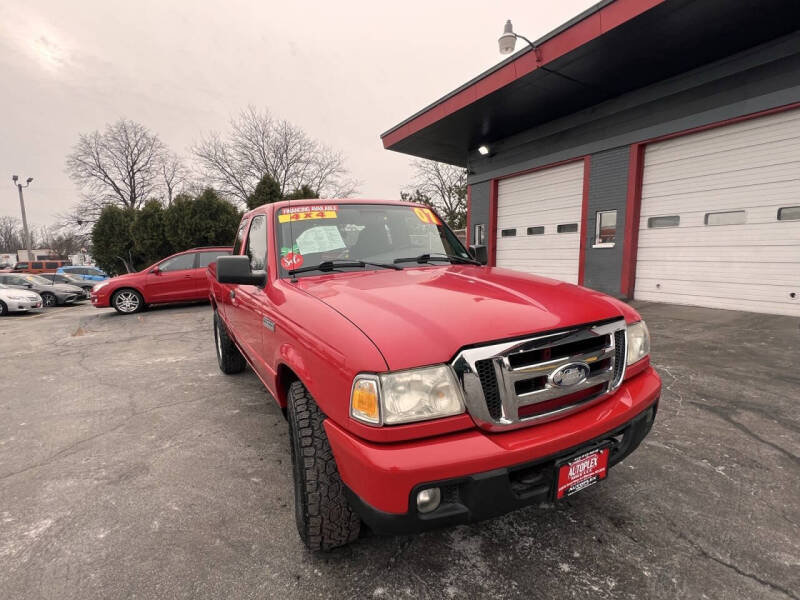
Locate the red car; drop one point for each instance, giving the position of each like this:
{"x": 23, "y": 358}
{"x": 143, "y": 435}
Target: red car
{"x": 421, "y": 387}
{"x": 177, "y": 278}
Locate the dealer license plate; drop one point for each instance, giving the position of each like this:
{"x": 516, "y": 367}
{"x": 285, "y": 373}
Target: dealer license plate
{"x": 578, "y": 473}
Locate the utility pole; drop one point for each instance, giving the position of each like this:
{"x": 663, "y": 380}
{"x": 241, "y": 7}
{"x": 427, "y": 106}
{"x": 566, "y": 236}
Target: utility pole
{"x": 27, "y": 234}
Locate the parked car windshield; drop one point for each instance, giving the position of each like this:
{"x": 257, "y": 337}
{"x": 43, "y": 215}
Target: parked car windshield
{"x": 37, "y": 280}
{"x": 311, "y": 234}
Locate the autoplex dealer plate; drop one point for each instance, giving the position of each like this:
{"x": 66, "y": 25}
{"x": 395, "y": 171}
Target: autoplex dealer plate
{"x": 582, "y": 471}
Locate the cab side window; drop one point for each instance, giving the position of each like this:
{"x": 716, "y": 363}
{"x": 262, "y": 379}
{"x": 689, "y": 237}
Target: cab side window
{"x": 256, "y": 248}
{"x": 237, "y": 245}
{"x": 177, "y": 263}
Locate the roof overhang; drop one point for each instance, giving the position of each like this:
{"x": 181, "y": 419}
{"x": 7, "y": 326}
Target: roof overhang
{"x": 614, "y": 47}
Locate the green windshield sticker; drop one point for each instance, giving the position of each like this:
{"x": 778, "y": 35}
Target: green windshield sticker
{"x": 286, "y": 250}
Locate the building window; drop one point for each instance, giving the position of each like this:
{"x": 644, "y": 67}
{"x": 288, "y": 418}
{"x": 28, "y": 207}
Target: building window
{"x": 659, "y": 222}
{"x": 567, "y": 228}
{"x": 789, "y": 213}
{"x": 536, "y": 230}
{"x": 508, "y": 232}
{"x": 733, "y": 217}
{"x": 605, "y": 229}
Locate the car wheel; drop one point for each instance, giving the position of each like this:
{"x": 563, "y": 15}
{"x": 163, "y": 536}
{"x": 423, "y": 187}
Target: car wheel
{"x": 228, "y": 356}
{"x": 48, "y": 299}
{"x": 324, "y": 517}
{"x": 3, "y": 309}
{"x": 127, "y": 301}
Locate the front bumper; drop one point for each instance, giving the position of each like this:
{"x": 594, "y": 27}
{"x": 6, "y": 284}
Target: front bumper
{"x": 101, "y": 299}
{"x": 482, "y": 474}
{"x": 23, "y": 305}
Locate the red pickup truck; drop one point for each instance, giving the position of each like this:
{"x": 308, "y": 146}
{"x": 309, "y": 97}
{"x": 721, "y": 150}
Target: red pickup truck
{"x": 421, "y": 387}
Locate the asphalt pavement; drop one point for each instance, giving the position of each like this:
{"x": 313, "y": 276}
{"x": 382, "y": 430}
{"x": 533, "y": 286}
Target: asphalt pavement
{"x": 131, "y": 467}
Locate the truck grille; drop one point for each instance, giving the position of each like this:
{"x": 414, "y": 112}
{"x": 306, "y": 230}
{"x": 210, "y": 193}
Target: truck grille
{"x": 513, "y": 384}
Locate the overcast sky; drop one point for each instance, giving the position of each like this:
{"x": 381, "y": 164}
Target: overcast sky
{"x": 344, "y": 71}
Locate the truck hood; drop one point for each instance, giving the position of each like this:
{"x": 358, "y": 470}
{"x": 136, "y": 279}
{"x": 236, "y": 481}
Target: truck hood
{"x": 421, "y": 316}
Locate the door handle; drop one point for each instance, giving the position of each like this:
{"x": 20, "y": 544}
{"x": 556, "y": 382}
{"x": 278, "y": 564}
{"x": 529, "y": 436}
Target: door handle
{"x": 233, "y": 294}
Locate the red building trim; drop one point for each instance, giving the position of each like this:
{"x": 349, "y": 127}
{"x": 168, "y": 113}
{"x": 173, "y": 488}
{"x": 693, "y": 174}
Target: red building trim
{"x": 587, "y": 167}
{"x": 469, "y": 213}
{"x": 634, "y": 197}
{"x": 593, "y": 26}
{"x": 492, "y": 233}
{"x": 633, "y": 205}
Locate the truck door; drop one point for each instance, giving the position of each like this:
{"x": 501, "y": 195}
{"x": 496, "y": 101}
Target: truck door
{"x": 247, "y": 301}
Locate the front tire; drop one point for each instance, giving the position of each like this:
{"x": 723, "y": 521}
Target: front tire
{"x": 49, "y": 299}
{"x": 229, "y": 358}
{"x": 3, "y": 309}
{"x": 324, "y": 518}
{"x": 127, "y": 301}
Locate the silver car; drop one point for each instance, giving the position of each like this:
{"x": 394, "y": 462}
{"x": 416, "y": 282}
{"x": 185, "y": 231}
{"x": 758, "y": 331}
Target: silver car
{"x": 51, "y": 293}
{"x": 16, "y": 300}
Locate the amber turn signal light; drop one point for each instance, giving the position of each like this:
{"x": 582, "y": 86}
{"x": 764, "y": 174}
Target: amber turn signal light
{"x": 364, "y": 401}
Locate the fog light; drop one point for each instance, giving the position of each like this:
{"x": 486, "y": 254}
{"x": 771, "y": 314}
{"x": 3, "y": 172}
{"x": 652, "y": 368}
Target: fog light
{"x": 428, "y": 500}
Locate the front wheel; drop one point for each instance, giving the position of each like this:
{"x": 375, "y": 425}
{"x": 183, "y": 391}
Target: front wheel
{"x": 324, "y": 518}
{"x": 127, "y": 302}
{"x": 49, "y": 299}
{"x": 3, "y": 309}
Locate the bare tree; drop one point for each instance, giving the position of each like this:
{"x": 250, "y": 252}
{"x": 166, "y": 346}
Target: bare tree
{"x": 121, "y": 165}
{"x": 259, "y": 145}
{"x": 442, "y": 186}
{"x": 174, "y": 175}
{"x": 63, "y": 240}
{"x": 11, "y": 236}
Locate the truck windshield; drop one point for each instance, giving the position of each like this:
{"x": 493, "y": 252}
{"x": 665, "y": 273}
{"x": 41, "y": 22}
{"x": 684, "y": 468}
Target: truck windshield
{"x": 335, "y": 236}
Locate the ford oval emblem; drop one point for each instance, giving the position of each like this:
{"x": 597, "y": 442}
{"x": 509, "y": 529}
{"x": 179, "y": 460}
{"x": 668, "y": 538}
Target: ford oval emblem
{"x": 570, "y": 374}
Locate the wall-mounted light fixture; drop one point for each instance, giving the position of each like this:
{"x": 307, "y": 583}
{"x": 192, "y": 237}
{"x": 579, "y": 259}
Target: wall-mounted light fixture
{"x": 483, "y": 150}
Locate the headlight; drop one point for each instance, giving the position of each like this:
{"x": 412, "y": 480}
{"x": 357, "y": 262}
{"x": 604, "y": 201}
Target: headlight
{"x": 638, "y": 342}
{"x": 406, "y": 396}
{"x": 20, "y": 298}
{"x": 99, "y": 285}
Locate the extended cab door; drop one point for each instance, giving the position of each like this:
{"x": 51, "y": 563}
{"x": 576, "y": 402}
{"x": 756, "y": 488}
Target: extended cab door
{"x": 224, "y": 292}
{"x": 173, "y": 281}
{"x": 248, "y": 302}
{"x": 200, "y": 278}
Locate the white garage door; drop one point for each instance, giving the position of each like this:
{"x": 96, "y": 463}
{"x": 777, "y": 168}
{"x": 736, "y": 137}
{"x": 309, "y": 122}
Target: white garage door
{"x": 720, "y": 218}
{"x": 539, "y": 220}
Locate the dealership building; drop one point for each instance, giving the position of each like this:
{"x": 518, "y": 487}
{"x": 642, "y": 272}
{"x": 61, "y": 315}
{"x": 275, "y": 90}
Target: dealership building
{"x": 649, "y": 149}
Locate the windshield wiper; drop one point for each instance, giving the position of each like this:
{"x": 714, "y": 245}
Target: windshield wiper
{"x": 327, "y": 266}
{"x": 426, "y": 258}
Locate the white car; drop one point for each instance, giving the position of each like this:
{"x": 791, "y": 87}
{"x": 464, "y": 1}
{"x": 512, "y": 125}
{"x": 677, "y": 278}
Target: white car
{"x": 17, "y": 300}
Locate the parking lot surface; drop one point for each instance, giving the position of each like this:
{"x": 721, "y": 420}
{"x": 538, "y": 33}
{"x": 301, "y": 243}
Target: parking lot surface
{"x": 131, "y": 467}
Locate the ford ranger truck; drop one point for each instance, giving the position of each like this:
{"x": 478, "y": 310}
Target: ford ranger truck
{"x": 421, "y": 387}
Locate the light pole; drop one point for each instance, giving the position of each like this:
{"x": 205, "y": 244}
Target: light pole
{"x": 15, "y": 179}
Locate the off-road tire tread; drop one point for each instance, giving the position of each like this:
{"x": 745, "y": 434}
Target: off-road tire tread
{"x": 230, "y": 359}
{"x": 325, "y": 519}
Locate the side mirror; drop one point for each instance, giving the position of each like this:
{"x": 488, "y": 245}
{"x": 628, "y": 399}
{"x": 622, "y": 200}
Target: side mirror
{"x": 155, "y": 270}
{"x": 236, "y": 269}
{"x": 479, "y": 253}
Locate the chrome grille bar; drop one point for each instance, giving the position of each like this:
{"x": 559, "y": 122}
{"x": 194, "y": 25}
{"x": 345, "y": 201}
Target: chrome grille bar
{"x": 500, "y": 379}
